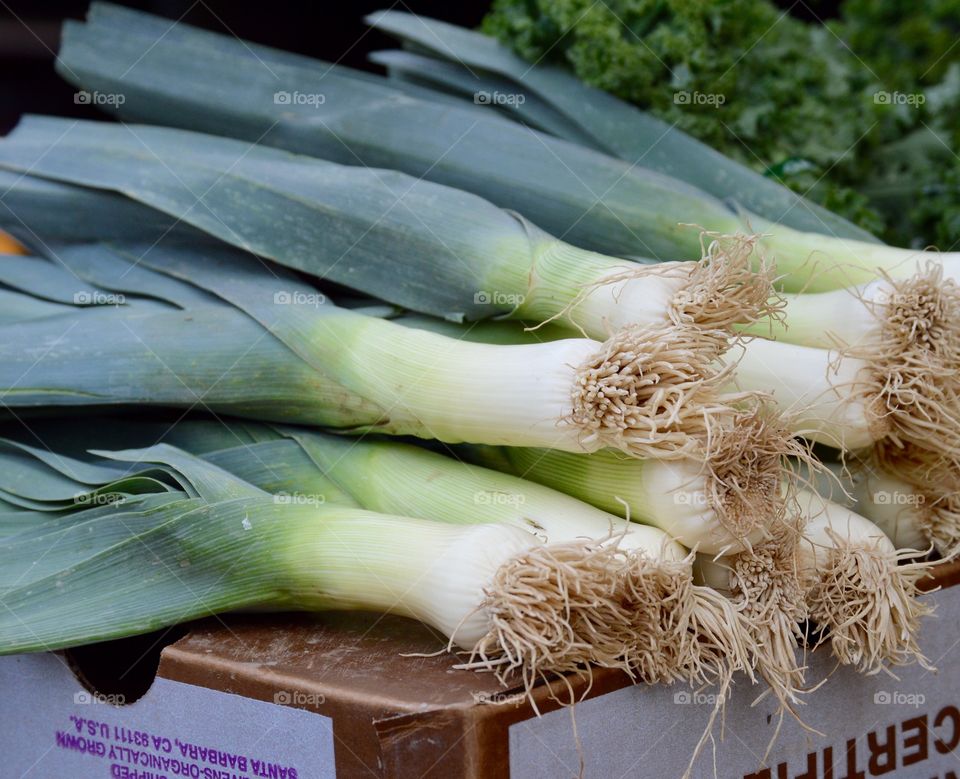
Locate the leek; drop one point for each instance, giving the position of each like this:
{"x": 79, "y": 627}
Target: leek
{"x": 592, "y": 117}
{"x": 854, "y": 398}
{"x": 494, "y": 590}
{"x": 683, "y": 630}
{"x": 17, "y": 307}
{"x": 284, "y": 353}
{"x": 916, "y": 503}
{"x": 204, "y": 81}
{"x": 449, "y": 254}
{"x": 724, "y": 504}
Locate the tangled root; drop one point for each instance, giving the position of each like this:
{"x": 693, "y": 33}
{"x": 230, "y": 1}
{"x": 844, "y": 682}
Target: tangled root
{"x": 720, "y": 291}
{"x": 936, "y": 482}
{"x": 867, "y": 601}
{"x": 552, "y": 610}
{"x": 683, "y": 632}
{"x": 767, "y": 586}
{"x": 939, "y": 518}
{"x": 653, "y": 391}
{"x": 719, "y": 642}
{"x": 753, "y": 468}
{"x": 727, "y": 287}
{"x": 915, "y": 383}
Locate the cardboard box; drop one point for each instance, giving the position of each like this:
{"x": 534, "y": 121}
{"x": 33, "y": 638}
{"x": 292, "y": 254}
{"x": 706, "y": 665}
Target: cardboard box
{"x": 358, "y": 695}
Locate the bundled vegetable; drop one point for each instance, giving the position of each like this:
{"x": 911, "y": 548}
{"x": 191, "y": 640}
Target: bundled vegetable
{"x": 740, "y": 503}
{"x": 208, "y": 82}
{"x": 283, "y": 352}
{"x": 683, "y": 631}
{"x": 549, "y": 96}
{"x": 449, "y": 254}
{"x": 636, "y": 497}
{"x": 495, "y": 590}
{"x": 820, "y": 560}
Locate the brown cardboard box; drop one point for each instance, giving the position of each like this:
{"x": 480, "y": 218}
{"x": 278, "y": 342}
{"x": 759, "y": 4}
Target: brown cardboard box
{"x": 359, "y": 695}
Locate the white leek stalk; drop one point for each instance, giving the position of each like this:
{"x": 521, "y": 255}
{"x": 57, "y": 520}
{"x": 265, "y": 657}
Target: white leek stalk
{"x": 915, "y": 502}
{"x": 862, "y": 591}
{"x": 648, "y": 391}
{"x": 597, "y": 295}
{"x": 851, "y": 402}
{"x": 887, "y": 314}
{"x": 717, "y": 506}
{"x": 495, "y": 590}
{"x": 680, "y": 631}
{"x": 511, "y": 601}
{"x": 900, "y": 510}
{"x": 905, "y": 332}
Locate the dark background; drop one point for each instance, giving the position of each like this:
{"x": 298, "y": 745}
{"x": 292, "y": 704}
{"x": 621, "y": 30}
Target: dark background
{"x": 333, "y": 31}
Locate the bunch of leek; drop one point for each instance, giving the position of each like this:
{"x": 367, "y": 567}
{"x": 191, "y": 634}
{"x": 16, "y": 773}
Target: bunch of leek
{"x": 151, "y": 560}
{"x": 266, "y": 345}
{"x": 679, "y": 630}
{"x": 177, "y": 302}
{"x": 422, "y": 246}
{"x": 213, "y": 83}
{"x": 842, "y": 571}
{"x": 866, "y": 397}
{"x": 894, "y": 385}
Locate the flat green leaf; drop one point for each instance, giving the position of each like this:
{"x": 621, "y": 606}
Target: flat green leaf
{"x": 203, "y": 560}
{"x": 578, "y": 194}
{"x": 619, "y": 128}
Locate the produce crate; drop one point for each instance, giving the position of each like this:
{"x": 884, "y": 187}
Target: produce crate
{"x": 359, "y": 695}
